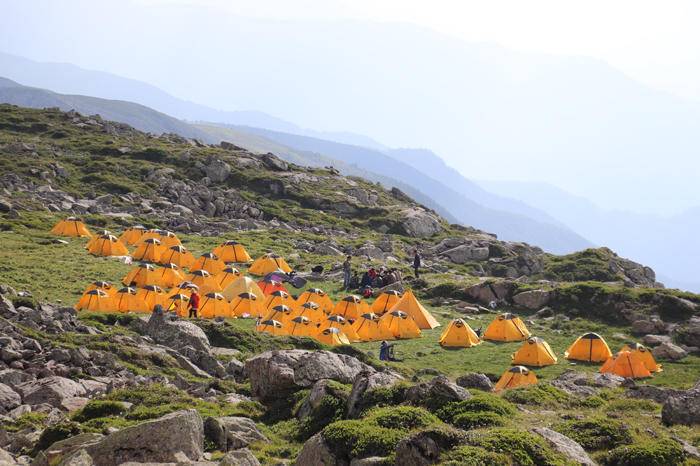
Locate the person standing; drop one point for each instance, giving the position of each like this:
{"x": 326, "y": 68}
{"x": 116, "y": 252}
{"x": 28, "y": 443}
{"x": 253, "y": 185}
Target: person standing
{"x": 416, "y": 263}
{"x": 347, "y": 271}
{"x": 194, "y": 304}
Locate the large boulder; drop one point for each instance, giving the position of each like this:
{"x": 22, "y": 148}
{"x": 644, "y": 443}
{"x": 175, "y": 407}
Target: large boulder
{"x": 174, "y": 438}
{"x": 61, "y": 451}
{"x": 242, "y": 457}
{"x": 436, "y": 392}
{"x": 534, "y": 299}
{"x": 316, "y": 452}
{"x": 584, "y": 383}
{"x": 232, "y": 432}
{"x": 669, "y": 352}
{"x": 682, "y": 408}
{"x": 55, "y": 391}
{"x": 425, "y": 447}
{"x": 275, "y": 373}
{"x": 6, "y": 459}
{"x": 176, "y": 334}
{"x": 418, "y": 223}
{"x": 217, "y": 170}
{"x": 366, "y": 381}
{"x": 475, "y": 380}
{"x": 9, "y": 399}
{"x": 466, "y": 252}
{"x": 567, "y": 447}
{"x": 647, "y": 326}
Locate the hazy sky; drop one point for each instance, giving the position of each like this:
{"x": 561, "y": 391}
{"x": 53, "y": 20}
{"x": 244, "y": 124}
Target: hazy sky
{"x": 656, "y": 42}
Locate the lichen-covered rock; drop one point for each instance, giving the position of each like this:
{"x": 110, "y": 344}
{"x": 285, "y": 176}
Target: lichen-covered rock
{"x": 475, "y": 380}
{"x": 232, "y": 432}
{"x": 565, "y": 446}
{"x": 316, "y": 452}
{"x": 9, "y": 399}
{"x": 435, "y": 393}
{"x": 683, "y": 408}
{"x": 55, "y": 391}
{"x": 365, "y": 381}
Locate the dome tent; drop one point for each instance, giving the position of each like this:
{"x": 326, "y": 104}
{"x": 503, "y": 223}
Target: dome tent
{"x": 269, "y": 286}
{"x": 311, "y": 311}
{"x": 243, "y": 285}
{"x": 232, "y": 251}
{"x": 209, "y": 262}
{"x": 101, "y": 285}
{"x": 271, "y": 326}
{"x": 342, "y": 324}
{"x": 411, "y": 306}
{"x": 151, "y": 295}
{"x": 149, "y": 250}
{"x": 300, "y": 326}
{"x": 141, "y": 275}
{"x": 178, "y": 255}
{"x": 506, "y": 327}
{"x": 589, "y": 347}
{"x": 332, "y": 336}
{"x": 95, "y": 300}
{"x": 626, "y": 364}
{"x": 131, "y": 235}
{"x": 205, "y": 282}
{"x": 351, "y": 307}
{"x": 106, "y": 246}
{"x": 534, "y": 352}
{"x": 517, "y": 376}
{"x": 400, "y": 325}
{"x": 368, "y": 328}
{"x": 644, "y": 354}
{"x": 125, "y": 300}
{"x": 227, "y": 276}
{"x": 459, "y": 335}
{"x": 279, "y": 313}
{"x": 71, "y": 227}
{"x": 168, "y": 276}
{"x": 179, "y": 304}
{"x": 247, "y": 305}
{"x": 277, "y": 298}
{"x": 214, "y": 305}
{"x": 318, "y": 296}
{"x": 385, "y": 301}
{"x": 269, "y": 263}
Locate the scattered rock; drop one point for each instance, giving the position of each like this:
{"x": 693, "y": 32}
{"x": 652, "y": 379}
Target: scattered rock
{"x": 655, "y": 340}
{"x": 534, "y": 299}
{"x": 565, "y": 446}
{"x": 242, "y": 457}
{"x": 475, "y": 380}
{"x": 424, "y": 448}
{"x": 438, "y": 391}
{"x": 55, "y": 391}
{"x": 669, "y": 352}
{"x": 9, "y": 399}
{"x": 232, "y": 433}
{"x": 683, "y": 408}
{"x": 316, "y": 452}
{"x": 418, "y": 223}
{"x": 364, "y": 382}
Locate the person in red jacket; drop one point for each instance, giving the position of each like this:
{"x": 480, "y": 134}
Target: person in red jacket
{"x": 194, "y": 304}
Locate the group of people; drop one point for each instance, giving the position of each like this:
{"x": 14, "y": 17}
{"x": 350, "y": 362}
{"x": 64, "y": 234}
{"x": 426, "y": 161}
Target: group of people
{"x": 376, "y": 278}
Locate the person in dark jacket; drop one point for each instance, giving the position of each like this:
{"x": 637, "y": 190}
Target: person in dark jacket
{"x": 416, "y": 263}
{"x": 194, "y": 304}
{"x": 347, "y": 271}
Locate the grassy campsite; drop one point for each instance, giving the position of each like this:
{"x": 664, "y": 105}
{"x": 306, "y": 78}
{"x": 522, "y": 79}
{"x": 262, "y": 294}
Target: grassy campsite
{"x": 460, "y": 323}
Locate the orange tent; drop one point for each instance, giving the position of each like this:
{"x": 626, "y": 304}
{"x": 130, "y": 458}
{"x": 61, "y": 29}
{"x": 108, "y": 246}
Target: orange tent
{"x": 399, "y": 324}
{"x": 269, "y": 263}
{"x": 204, "y": 281}
{"x": 351, "y": 307}
{"x": 153, "y": 233}
{"x": 132, "y": 235}
{"x": 178, "y": 255}
{"x": 100, "y": 285}
{"x": 517, "y": 376}
{"x": 71, "y": 227}
{"x": 185, "y": 288}
{"x": 168, "y": 276}
{"x": 96, "y": 301}
{"x": 169, "y": 239}
{"x": 125, "y": 300}
{"x": 410, "y": 305}
{"x": 318, "y": 296}
{"x": 232, "y": 251}
{"x": 311, "y": 311}
{"x": 214, "y": 305}
{"x": 179, "y": 304}
{"x": 269, "y": 286}
{"x": 149, "y": 250}
{"x": 507, "y": 327}
{"x": 332, "y": 336}
{"x": 227, "y": 276}
{"x": 276, "y": 298}
{"x": 626, "y": 364}
{"x": 341, "y": 324}
{"x": 643, "y": 353}
{"x": 368, "y": 328}
{"x": 279, "y": 313}
{"x": 142, "y": 275}
{"x": 208, "y": 262}
{"x": 385, "y": 301}
{"x": 151, "y": 295}
{"x": 247, "y": 305}
{"x": 107, "y": 245}
{"x": 270, "y": 326}
{"x": 95, "y": 237}
{"x": 300, "y": 326}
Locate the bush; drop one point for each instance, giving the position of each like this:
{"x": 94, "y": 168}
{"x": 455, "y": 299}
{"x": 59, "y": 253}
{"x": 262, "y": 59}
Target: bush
{"x": 597, "y": 433}
{"x": 330, "y": 409}
{"x": 55, "y": 433}
{"x": 481, "y": 403}
{"x": 633, "y": 405}
{"x": 524, "y": 448}
{"x": 99, "y": 408}
{"x": 473, "y": 456}
{"x": 478, "y": 420}
{"x": 663, "y": 452}
{"x": 359, "y": 439}
{"x": 385, "y": 396}
{"x": 402, "y": 417}
{"x": 538, "y": 395}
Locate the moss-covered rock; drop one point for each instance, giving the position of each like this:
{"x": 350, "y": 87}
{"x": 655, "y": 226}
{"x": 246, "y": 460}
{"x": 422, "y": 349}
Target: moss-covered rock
{"x": 402, "y": 417}
{"x": 542, "y": 394}
{"x": 474, "y": 456}
{"x": 522, "y": 447}
{"x": 597, "y": 433}
{"x": 664, "y": 452}
{"x": 359, "y": 439}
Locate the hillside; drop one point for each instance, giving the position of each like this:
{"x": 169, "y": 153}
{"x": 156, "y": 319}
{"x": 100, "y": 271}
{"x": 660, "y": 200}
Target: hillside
{"x": 107, "y": 388}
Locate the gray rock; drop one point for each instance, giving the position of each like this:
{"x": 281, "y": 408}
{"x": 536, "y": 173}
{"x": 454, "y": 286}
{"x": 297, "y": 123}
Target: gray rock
{"x": 317, "y": 453}
{"x": 425, "y": 447}
{"x": 176, "y": 334}
{"x": 78, "y": 458}
{"x": 273, "y": 373}
{"x": 232, "y": 433}
{"x": 585, "y": 384}
{"x": 655, "y": 340}
{"x": 466, "y": 253}
{"x": 682, "y": 408}
{"x": 326, "y": 249}
{"x": 475, "y": 380}
{"x": 669, "y": 352}
{"x": 217, "y": 170}
{"x": 418, "y": 223}
{"x": 643, "y": 327}
{"x": 439, "y": 390}
{"x": 242, "y": 457}
{"x": 6, "y": 459}
{"x": 173, "y": 438}
{"x": 273, "y": 162}
{"x": 652, "y": 392}
{"x": 9, "y": 399}
{"x": 534, "y": 299}
{"x": 366, "y": 381}
{"x": 63, "y": 449}
{"x": 567, "y": 447}
{"x": 55, "y": 391}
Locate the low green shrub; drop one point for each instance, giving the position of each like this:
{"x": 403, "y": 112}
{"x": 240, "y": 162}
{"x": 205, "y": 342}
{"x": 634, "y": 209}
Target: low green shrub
{"x": 402, "y": 417}
{"x": 524, "y": 448}
{"x": 359, "y": 439}
{"x": 664, "y": 452}
{"x": 56, "y": 432}
{"x": 473, "y": 456}
{"x": 330, "y": 409}
{"x": 633, "y": 405}
{"x": 478, "y": 420}
{"x": 597, "y": 433}
{"x": 99, "y": 408}
{"x": 385, "y": 396}
{"x": 538, "y": 395}
{"x": 481, "y": 403}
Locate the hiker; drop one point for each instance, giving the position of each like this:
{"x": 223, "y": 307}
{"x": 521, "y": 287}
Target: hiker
{"x": 194, "y": 304}
{"x": 478, "y": 331}
{"x": 416, "y": 262}
{"x": 347, "y": 270}
{"x": 384, "y": 351}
